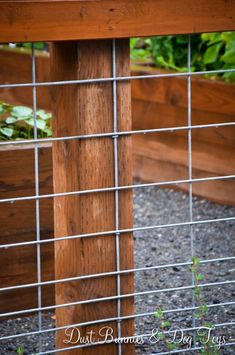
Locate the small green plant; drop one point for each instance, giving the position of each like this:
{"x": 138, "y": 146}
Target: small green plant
{"x": 20, "y": 350}
{"x": 204, "y": 341}
{"x": 208, "y": 348}
{"x": 209, "y": 51}
{"x": 162, "y": 334}
{"x": 17, "y": 122}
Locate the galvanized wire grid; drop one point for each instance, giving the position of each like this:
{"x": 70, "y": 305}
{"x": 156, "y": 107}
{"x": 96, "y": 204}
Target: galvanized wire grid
{"x": 117, "y": 232}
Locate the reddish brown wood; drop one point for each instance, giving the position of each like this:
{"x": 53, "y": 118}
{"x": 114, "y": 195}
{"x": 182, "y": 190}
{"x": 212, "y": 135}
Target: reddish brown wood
{"x": 215, "y": 96}
{"x": 18, "y": 224}
{"x": 24, "y": 21}
{"x": 86, "y": 164}
{"x": 16, "y": 67}
{"x": 162, "y": 102}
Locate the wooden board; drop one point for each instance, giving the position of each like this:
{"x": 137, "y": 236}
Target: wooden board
{"x": 162, "y": 102}
{"x": 207, "y": 95}
{"x": 16, "y": 67}
{"x": 18, "y": 224}
{"x": 24, "y": 21}
{"x": 159, "y": 159}
{"x": 89, "y": 164}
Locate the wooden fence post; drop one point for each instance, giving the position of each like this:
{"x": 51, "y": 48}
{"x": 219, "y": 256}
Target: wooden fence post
{"x": 87, "y": 164}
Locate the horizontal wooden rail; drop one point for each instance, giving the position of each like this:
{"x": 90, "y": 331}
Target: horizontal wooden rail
{"x": 23, "y": 21}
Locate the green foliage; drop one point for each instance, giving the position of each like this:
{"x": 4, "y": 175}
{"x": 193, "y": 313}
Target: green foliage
{"x": 206, "y": 343}
{"x": 164, "y": 328}
{"x": 17, "y": 122}
{"x": 209, "y": 51}
{"x": 20, "y": 350}
{"x": 159, "y": 313}
{"x": 37, "y": 45}
{"x": 140, "y": 49}
{"x": 208, "y": 348}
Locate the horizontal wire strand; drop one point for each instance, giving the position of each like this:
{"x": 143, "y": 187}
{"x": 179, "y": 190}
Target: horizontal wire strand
{"x": 112, "y": 298}
{"x": 146, "y": 335}
{"x": 119, "y": 133}
{"x": 117, "y": 188}
{"x": 118, "y": 78}
{"x": 113, "y": 319}
{"x": 113, "y": 273}
{"x": 121, "y": 231}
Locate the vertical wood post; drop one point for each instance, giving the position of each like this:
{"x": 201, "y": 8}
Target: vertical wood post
{"x": 87, "y": 164}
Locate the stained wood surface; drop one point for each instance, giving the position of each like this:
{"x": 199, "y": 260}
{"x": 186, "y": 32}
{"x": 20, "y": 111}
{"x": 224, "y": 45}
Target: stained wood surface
{"x": 16, "y": 67}
{"x": 157, "y": 160}
{"x": 207, "y": 95}
{"x": 18, "y": 224}
{"x": 86, "y": 164}
{"x": 162, "y": 102}
{"x": 24, "y": 21}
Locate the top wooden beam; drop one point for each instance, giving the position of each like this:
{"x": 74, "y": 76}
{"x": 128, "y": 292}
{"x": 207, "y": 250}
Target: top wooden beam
{"x": 37, "y": 20}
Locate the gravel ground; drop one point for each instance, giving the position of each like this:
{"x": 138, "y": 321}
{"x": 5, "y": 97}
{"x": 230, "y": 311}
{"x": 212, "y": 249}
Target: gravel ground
{"x": 154, "y": 206}
{"x": 172, "y": 245}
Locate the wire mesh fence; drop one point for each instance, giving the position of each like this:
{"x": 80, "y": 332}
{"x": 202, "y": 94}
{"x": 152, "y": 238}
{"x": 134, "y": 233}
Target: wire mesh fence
{"x": 154, "y": 314}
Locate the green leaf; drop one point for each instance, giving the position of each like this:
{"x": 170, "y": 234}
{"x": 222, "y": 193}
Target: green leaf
{"x": 199, "y": 277}
{"x": 212, "y": 53}
{"x": 197, "y": 315}
{"x": 43, "y": 115}
{"x": 211, "y": 38}
{"x": 208, "y": 325}
{"x": 39, "y": 45}
{"x": 203, "y": 309}
{"x": 41, "y": 124}
{"x": 10, "y": 120}
{"x": 229, "y": 77}
{"x": 133, "y": 42}
{"x": 172, "y": 346}
{"x": 20, "y": 350}
{"x": 7, "y": 131}
{"x": 161, "y": 335}
{"x": 48, "y": 132}
{"x": 21, "y": 111}
{"x": 228, "y": 37}
{"x": 197, "y": 291}
{"x": 5, "y": 107}
{"x": 166, "y": 324}
{"x": 229, "y": 56}
{"x": 159, "y": 313}
{"x": 195, "y": 260}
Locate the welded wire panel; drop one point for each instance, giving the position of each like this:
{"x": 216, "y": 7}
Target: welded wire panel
{"x": 184, "y": 224}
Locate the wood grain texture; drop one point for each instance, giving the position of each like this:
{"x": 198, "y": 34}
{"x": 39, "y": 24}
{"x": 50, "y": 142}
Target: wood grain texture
{"x": 24, "y": 21}
{"x": 86, "y": 164}
{"x": 159, "y": 103}
{"x": 16, "y": 67}
{"x": 207, "y": 95}
{"x": 18, "y": 224}
{"x": 156, "y": 161}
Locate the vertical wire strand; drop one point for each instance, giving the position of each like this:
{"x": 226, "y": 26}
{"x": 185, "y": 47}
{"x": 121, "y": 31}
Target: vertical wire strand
{"x": 189, "y": 106}
{"x": 116, "y": 196}
{"x": 36, "y": 172}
